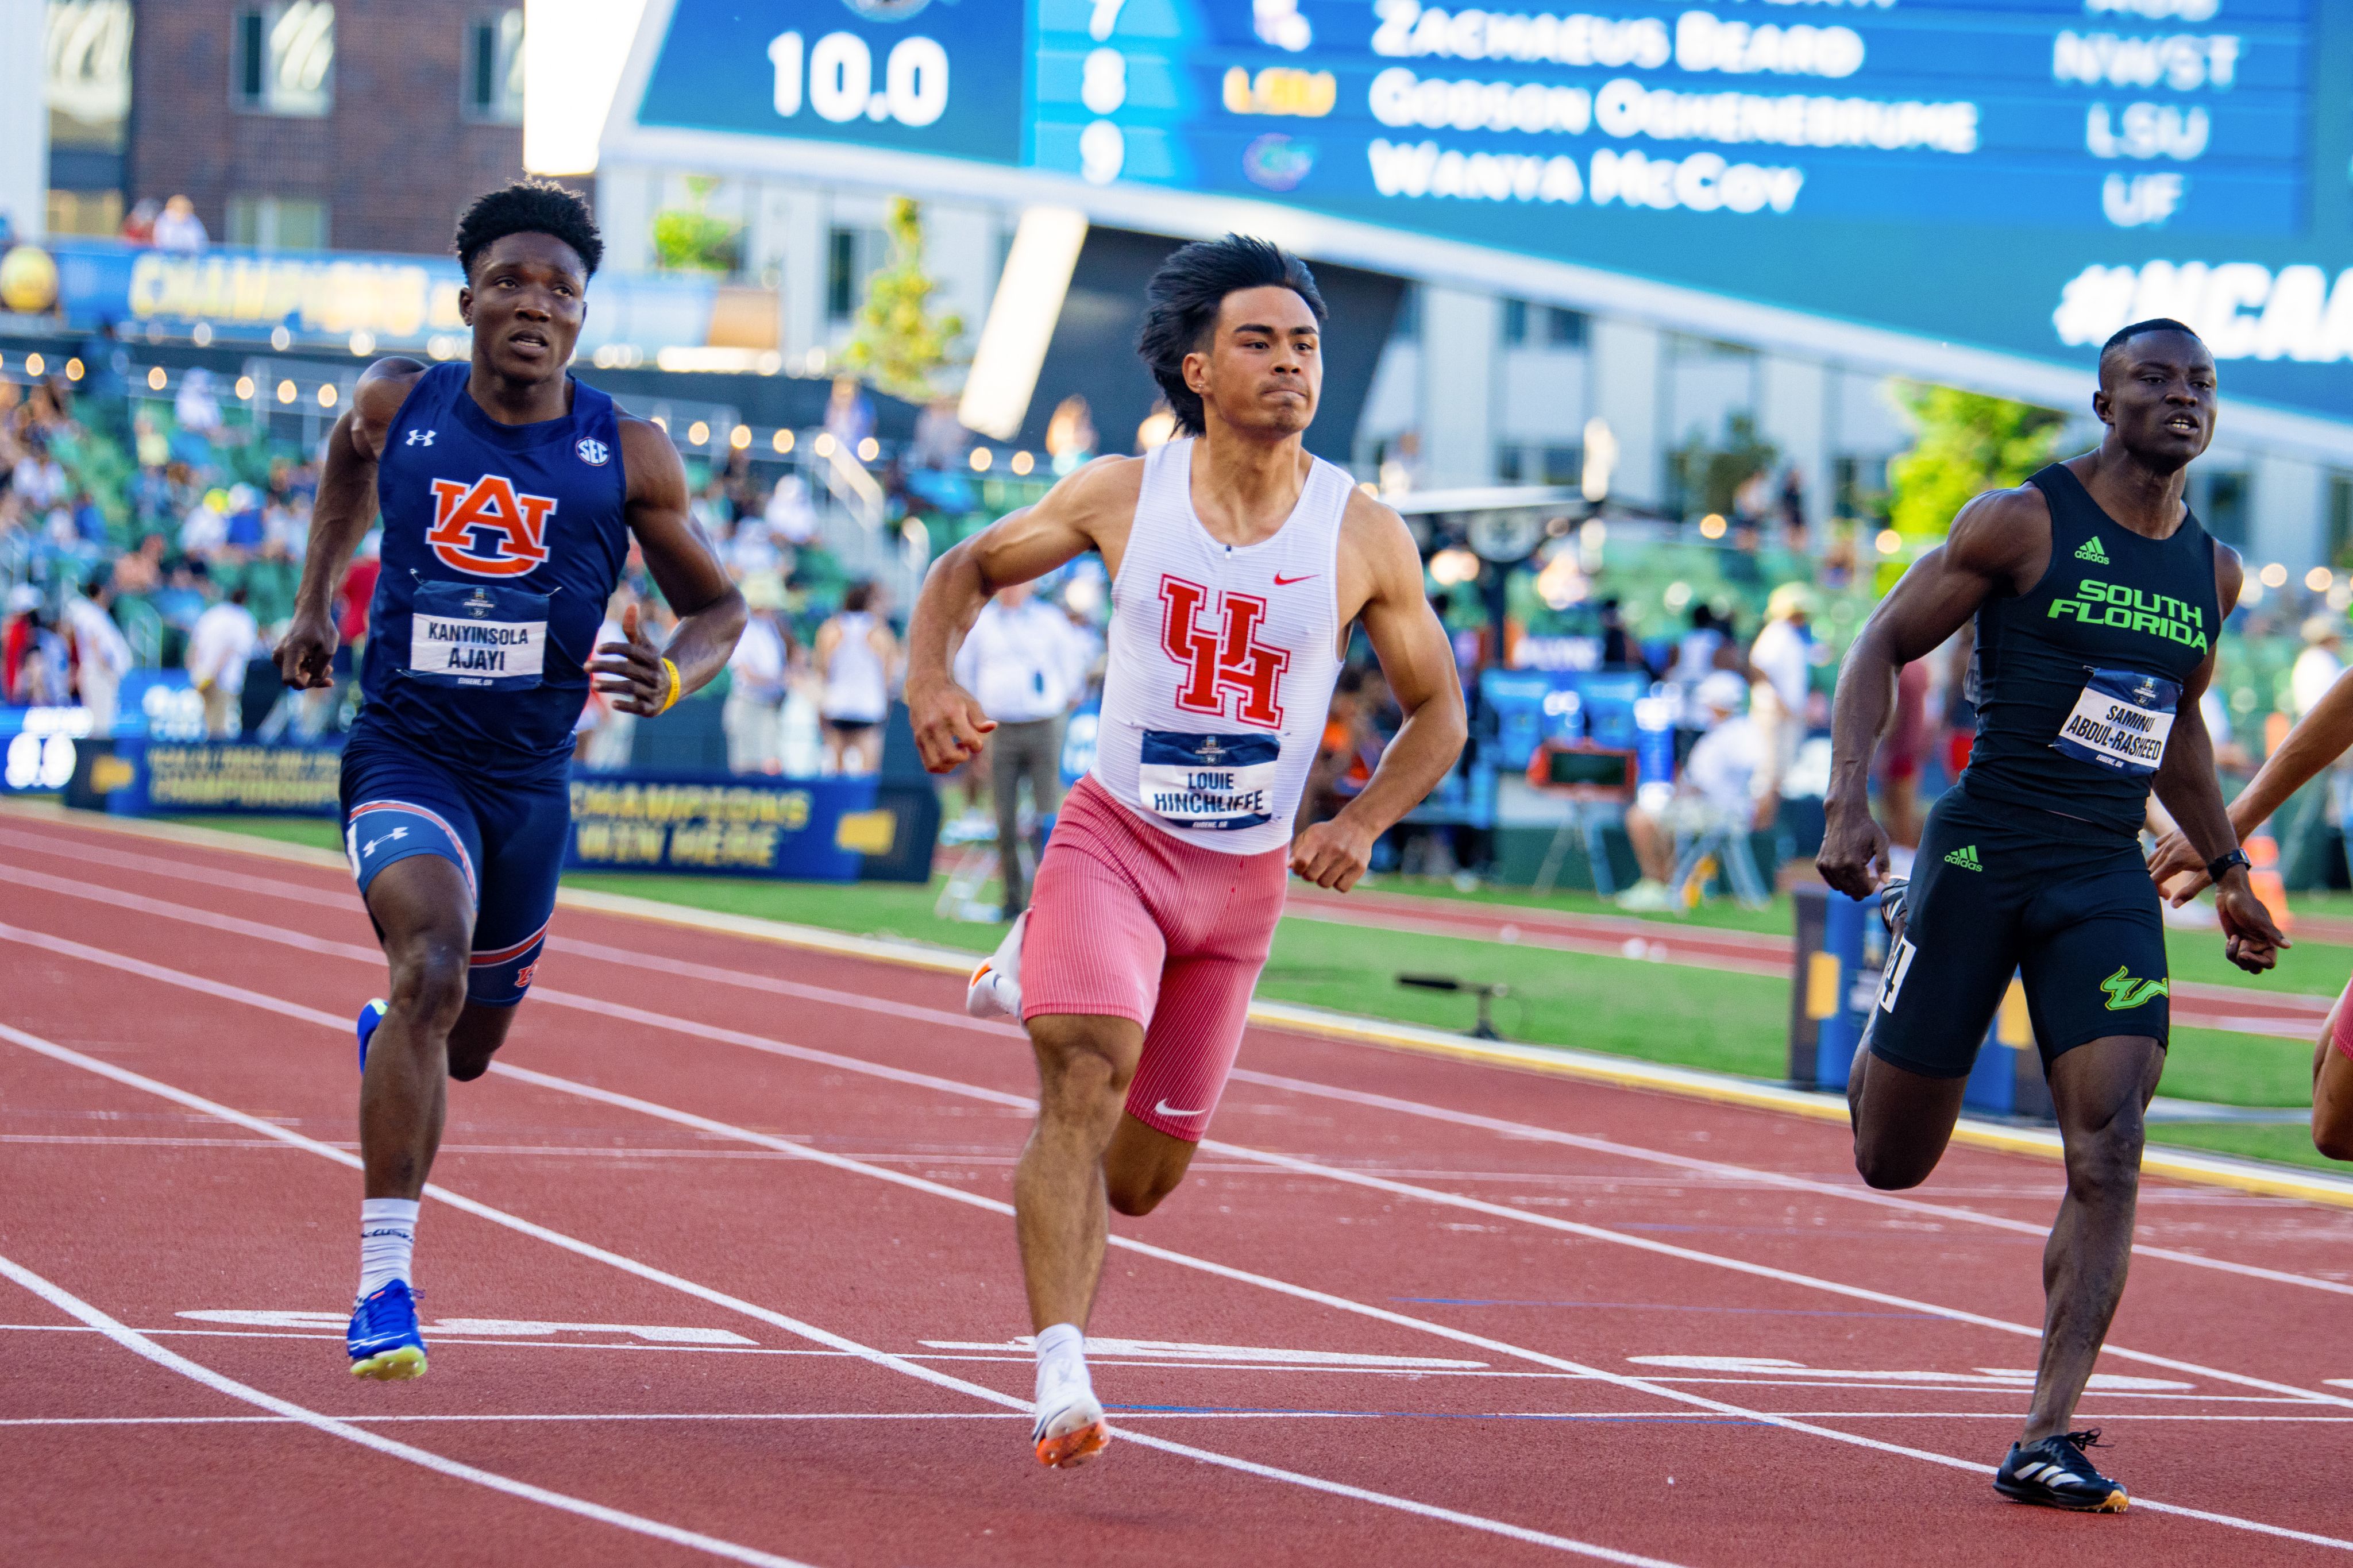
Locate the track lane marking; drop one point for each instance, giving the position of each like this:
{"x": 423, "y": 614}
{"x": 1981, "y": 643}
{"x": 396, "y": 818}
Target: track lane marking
{"x": 794, "y": 1326}
{"x": 624, "y": 1012}
{"x": 818, "y": 1156}
{"x": 138, "y": 1344}
{"x": 1521, "y": 1130}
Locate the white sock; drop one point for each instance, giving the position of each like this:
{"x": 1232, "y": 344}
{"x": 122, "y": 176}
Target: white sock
{"x": 1061, "y": 1358}
{"x": 387, "y": 1238}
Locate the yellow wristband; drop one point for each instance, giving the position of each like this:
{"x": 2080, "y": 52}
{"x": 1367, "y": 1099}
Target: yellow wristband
{"x": 677, "y": 689}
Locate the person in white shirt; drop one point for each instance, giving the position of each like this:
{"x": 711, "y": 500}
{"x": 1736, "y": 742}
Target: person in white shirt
{"x": 1716, "y": 789}
{"x": 102, "y": 657}
{"x": 856, "y": 654}
{"x": 755, "y": 681}
{"x": 1023, "y": 662}
{"x": 2318, "y": 665}
{"x": 177, "y": 227}
{"x": 224, "y": 640}
{"x": 1783, "y": 660}
{"x": 789, "y": 513}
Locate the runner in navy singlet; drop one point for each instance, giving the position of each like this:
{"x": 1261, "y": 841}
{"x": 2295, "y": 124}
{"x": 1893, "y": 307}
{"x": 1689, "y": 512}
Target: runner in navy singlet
{"x": 509, "y": 494}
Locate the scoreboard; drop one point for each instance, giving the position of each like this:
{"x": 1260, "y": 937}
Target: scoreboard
{"x": 2015, "y": 175}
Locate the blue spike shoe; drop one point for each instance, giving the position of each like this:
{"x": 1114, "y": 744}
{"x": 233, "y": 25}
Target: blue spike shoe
{"x": 384, "y": 1342}
{"x": 370, "y": 1016}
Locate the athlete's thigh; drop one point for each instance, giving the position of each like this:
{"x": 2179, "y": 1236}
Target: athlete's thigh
{"x": 2332, "y": 1083}
{"x": 523, "y": 830}
{"x": 414, "y": 846}
{"x": 1231, "y": 907}
{"x": 1951, "y": 964}
{"x": 2095, "y": 965}
{"x": 1090, "y": 947}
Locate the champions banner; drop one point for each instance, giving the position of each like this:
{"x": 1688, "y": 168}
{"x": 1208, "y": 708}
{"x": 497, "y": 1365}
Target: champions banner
{"x": 133, "y": 777}
{"x": 815, "y": 830}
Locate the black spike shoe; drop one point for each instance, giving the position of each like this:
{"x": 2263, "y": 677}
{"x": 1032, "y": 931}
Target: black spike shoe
{"x": 2057, "y": 1473}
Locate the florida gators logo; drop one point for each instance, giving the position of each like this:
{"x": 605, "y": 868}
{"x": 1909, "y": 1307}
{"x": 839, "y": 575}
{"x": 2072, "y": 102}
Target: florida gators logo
{"x": 486, "y": 528}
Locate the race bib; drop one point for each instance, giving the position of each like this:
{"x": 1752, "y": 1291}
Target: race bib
{"x": 1219, "y": 782}
{"x": 2120, "y": 722}
{"x": 464, "y": 635}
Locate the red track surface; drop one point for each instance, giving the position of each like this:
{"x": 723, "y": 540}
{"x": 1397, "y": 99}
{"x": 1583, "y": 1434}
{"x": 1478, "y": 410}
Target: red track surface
{"x": 1616, "y": 1323}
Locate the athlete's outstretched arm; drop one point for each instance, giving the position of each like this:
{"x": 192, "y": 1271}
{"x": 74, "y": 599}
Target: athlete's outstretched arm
{"x": 1418, "y": 663}
{"x": 2322, "y": 737}
{"x": 710, "y": 612}
{"x": 1995, "y": 538}
{"x": 339, "y": 518}
{"x": 1084, "y": 511}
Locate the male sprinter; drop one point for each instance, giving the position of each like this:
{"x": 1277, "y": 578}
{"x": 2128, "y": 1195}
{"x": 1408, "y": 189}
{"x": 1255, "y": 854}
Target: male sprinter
{"x": 1237, "y": 563}
{"x": 2317, "y": 740}
{"x": 508, "y": 493}
{"x": 2098, "y": 598}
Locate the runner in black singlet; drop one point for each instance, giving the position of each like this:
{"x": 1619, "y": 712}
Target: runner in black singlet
{"x": 2098, "y": 599}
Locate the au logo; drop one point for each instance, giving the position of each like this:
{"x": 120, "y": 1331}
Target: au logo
{"x": 487, "y": 529}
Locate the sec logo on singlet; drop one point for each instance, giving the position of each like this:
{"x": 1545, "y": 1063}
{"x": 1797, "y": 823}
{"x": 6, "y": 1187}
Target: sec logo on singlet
{"x": 593, "y": 452}
{"x": 487, "y": 529}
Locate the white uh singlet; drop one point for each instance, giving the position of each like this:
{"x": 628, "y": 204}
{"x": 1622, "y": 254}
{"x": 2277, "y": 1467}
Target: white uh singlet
{"x": 1221, "y": 662}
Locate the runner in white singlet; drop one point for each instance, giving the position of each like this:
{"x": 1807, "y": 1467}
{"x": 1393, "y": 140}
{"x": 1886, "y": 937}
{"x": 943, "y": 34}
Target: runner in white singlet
{"x": 1237, "y": 563}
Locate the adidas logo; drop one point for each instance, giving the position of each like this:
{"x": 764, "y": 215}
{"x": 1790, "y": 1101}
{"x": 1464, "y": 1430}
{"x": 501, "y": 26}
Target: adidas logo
{"x": 2092, "y": 551}
{"x": 1965, "y": 858}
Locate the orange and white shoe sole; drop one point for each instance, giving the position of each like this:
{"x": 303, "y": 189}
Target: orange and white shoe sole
{"x": 1075, "y": 1447}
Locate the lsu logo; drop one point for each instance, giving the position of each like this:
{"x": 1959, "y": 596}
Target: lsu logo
{"x": 1224, "y": 658}
{"x": 487, "y": 530}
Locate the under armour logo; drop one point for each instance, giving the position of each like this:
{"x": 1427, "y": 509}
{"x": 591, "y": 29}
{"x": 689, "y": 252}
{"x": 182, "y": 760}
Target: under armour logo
{"x": 422, "y": 437}
{"x": 1222, "y": 660}
{"x": 396, "y": 833}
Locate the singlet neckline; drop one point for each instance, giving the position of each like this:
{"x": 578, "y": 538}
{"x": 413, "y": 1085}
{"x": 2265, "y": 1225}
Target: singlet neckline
{"x": 520, "y": 438}
{"x": 1185, "y": 482}
{"x": 2189, "y": 516}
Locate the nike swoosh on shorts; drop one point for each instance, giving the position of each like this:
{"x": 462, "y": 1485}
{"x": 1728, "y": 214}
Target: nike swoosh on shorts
{"x": 1165, "y": 1108}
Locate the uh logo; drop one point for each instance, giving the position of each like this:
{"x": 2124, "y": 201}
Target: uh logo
{"x": 487, "y": 529}
{"x": 1222, "y": 658}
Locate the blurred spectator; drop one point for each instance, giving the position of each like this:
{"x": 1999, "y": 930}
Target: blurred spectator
{"x": 224, "y": 640}
{"x": 848, "y": 413}
{"x": 1721, "y": 789}
{"x": 39, "y": 477}
{"x": 1901, "y": 753}
{"x": 604, "y": 735}
{"x": 1071, "y": 434}
{"x": 1401, "y": 465}
{"x": 17, "y": 637}
{"x": 1793, "y": 507}
{"x": 2318, "y": 665}
{"x": 205, "y": 529}
{"x": 90, "y": 523}
{"x": 1023, "y": 662}
{"x": 755, "y": 681}
{"x": 196, "y": 406}
{"x": 1782, "y": 662}
{"x": 241, "y": 520}
{"x": 45, "y": 672}
{"x": 856, "y": 654}
{"x": 1696, "y": 652}
{"x": 1350, "y": 750}
{"x": 789, "y": 513}
{"x": 101, "y": 655}
{"x": 139, "y": 223}
{"x": 177, "y": 227}
{"x": 941, "y": 438}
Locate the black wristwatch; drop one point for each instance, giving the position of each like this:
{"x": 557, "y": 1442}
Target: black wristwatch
{"x": 2221, "y": 863}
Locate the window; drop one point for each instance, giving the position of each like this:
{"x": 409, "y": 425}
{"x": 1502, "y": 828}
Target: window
{"x": 277, "y": 223}
{"x": 2340, "y": 522}
{"x": 494, "y": 68}
{"x": 1516, "y": 322}
{"x": 1564, "y": 328}
{"x": 1563, "y": 465}
{"x": 1510, "y": 465}
{"x": 2225, "y": 512}
{"x": 89, "y": 73}
{"x": 1542, "y": 326}
{"x": 1407, "y": 323}
{"x": 851, "y": 256}
{"x": 285, "y": 58}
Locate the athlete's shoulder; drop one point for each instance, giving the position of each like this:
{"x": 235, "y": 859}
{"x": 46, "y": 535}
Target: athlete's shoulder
{"x": 2001, "y": 529}
{"x": 1110, "y": 481}
{"x": 382, "y": 388}
{"x": 650, "y": 458}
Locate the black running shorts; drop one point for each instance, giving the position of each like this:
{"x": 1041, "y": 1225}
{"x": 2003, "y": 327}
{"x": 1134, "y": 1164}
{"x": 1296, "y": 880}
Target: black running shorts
{"x": 1998, "y": 890}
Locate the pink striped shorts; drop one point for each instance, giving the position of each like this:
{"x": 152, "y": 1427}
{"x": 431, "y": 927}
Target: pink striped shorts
{"x": 1128, "y": 922}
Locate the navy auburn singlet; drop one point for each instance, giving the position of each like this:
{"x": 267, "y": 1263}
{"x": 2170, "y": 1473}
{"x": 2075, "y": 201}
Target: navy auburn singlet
{"x": 2077, "y": 680}
{"x": 502, "y": 543}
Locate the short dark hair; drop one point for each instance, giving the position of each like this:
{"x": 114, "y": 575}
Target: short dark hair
{"x": 2125, "y": 335}
{"x": 1181, "y": 306}
{"x": 857, "y": 597}
{"x": 528, "y": 207}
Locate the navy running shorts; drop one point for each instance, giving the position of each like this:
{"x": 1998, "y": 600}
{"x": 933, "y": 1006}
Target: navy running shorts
{"x": 506, "y": 839}
{"x": 2003, "y": 890}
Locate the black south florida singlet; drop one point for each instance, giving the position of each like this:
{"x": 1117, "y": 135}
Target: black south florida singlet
{"x": 2078, "y": 680}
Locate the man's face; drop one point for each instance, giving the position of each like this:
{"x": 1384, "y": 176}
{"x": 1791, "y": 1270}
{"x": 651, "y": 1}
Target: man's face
{"x": 2156, "y": 393}
{"x": 525, "y": 301}
{"x": 1263, "y": 366}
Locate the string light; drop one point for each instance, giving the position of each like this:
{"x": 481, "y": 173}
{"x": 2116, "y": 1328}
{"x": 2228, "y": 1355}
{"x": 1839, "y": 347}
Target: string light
{"x": 1711, "y": 526}
{"x": 697, "y": 434}
{"x": 327, "y": 395}
{"x": 285, "y": 391}
{"x": 35, "y": 364}
{"x": 245, "y": 389}
{"x": 155, "y": 379}
{"x": 1023, "y": 462}
{"x": 869, "y": 449}
{"x": 981, "y": 458}
{"x": 740, "y": 438}
{"x": 784, "y": 442}
{"x": 73, "y": 370}
{"x": 1889, "y": 542}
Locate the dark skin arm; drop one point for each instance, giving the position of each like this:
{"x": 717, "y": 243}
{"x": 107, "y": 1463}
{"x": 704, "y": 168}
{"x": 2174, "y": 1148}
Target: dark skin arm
{"x": 710, "y": 611}
{"x": 340, "y": 518}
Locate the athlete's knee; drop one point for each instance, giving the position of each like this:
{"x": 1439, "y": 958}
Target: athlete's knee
{"x": 1889, "y": 1169}
{"x": 2333, "y": 1136}
{"x": 1137, "y": 1193}
{"x": 1080, "y": 1067}
{"x": 429, "y": 982}
{"x": 2104, "y": 1160}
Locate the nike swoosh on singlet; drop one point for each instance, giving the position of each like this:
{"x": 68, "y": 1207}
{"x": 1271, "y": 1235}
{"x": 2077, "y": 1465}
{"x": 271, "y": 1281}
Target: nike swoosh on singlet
{"x": 1283, "y": 582}
{"x": 1165, "y": 1108}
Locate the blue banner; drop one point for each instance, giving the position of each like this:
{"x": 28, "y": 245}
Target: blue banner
{"x": 817, "y": 830}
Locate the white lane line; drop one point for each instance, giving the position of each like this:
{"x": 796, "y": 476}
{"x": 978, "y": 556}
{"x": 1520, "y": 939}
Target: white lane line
{"x": 138, "y": 1344}
{"x": 792, "y": 1326}
{"x": 861, "y": 1418}
{"x": 1436, "y": 1196}
{"x": 1718, "y": 1170}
